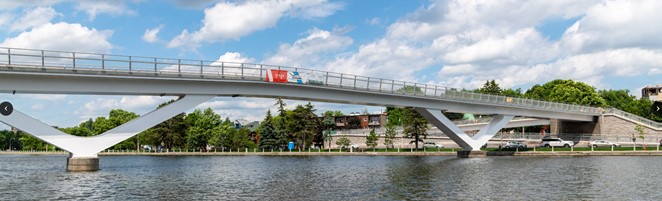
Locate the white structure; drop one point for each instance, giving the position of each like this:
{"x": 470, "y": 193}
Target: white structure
{"x": 47, "y": 72}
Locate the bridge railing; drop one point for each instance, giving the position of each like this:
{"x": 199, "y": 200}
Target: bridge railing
{"x": 633, "y": 117}
{"x": 18, "y": 59}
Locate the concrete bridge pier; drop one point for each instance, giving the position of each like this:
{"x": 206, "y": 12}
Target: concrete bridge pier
{"x": 82, "y": 164}
{"x": 83, "y": 150}
{"x": 471, "y": 145}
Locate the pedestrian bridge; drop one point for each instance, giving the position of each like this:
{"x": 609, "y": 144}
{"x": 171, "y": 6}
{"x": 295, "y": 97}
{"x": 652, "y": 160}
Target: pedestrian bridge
{"x": 29, "y": 71}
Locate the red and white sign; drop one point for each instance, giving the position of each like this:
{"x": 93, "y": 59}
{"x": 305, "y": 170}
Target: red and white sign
{"x": 279, "y": 76}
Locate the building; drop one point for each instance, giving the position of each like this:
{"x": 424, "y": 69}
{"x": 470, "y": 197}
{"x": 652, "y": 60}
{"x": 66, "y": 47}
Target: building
{"x": 359, "y": 121}
{"x": 652, "y": 92}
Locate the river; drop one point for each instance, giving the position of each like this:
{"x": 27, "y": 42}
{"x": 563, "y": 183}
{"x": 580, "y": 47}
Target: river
{"x": 43, "y": 177}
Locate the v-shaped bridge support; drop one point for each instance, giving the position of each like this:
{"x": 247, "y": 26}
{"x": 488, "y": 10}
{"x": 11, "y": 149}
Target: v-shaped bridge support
{"x": 454, "y": 133}
{"x": 88, "y": 147}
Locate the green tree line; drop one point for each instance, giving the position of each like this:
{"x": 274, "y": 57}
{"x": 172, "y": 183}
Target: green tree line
{"x": 573, "y": 92}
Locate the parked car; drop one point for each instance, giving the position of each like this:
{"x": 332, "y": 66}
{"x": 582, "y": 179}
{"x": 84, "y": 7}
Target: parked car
{"x": 352, "y": 145}
{"x": 432, "y": 145}
{"x": 514, "y": 144}
{"x": 556, "y": 142}
{"x": 603, "y": 143}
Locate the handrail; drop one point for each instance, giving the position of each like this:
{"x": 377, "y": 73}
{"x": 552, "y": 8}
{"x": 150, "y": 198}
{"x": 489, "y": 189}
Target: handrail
{"x": 95, "y": 63}
{"x": 634, "y": 117}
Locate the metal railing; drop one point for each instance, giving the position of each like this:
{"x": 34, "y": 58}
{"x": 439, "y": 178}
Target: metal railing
{"x": 47, "y": 61}
{"x": 634, "y": 117}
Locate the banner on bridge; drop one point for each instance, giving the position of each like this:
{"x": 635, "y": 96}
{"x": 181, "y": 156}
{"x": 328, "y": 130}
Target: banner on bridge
{"x": 279, "y": 76}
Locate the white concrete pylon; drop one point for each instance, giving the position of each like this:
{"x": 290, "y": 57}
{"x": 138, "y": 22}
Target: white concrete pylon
{"x": 437, "y": 118}
{"x": 88, "y": 147}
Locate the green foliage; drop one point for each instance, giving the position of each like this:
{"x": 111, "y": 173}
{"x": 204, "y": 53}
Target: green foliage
{"x": 371, "y": 139}
{"x": 202, "y": 125}
{"x": 333, "y": 113}
{"x": 302, "y": 123}
{"x": 566, "y": 91}
{"x": 29, "y": 142}
{"x": 640, "y": 130}
{"x": 231, "y": 138}
{"x": 414, "y": 125}
{"x": 343, "y": 142}
{"x": 170, "y": 134}
{"x": 622, "y": 100}
{"x": 394, "y": 116}
{"x": 327, "y": 125}
{"x": 353, "y": 122}
{"x": 490, "y": 87}
{"x": 116, "y": 117}
{"x": 269, "y": 138}
{"x": 389, "y": 135}
{"x": 517, "y": 93}
{"x": 9, "y": 140}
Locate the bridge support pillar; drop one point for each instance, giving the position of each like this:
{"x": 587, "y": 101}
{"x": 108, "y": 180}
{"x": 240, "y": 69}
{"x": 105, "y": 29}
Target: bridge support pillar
{"x": 82, "y": 164}
{"x": 469, "y": 144}
{"x": 84, "y": 150}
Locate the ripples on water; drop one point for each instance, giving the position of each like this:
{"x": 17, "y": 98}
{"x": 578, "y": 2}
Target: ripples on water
{"x": 24, "y": 177}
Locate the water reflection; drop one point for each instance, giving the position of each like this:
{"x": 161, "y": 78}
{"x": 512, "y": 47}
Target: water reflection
{"x": 332, "y": 178}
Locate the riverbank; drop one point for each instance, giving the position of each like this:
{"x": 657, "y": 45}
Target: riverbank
{"x": 419, "y": 153}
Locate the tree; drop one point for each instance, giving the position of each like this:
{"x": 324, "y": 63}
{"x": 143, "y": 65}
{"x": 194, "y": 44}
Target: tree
{"x": 641, "y": 131}
{"x": 10, "y": 140}
{"x": 394, "y": 116}
{"x": 353, "y": 122}
{"x": 371, "y": 139}
{"x": 268, "y": 136}
{"x": 389, "y": 135}
{"x": 333, "y": 113}
{"x": 170, "y": 133}
{"x": 566, "y": 91}
{"x": 343, "y": 142}
{"x": 517, "y": 93}
{"x": 490, "y": 87}
{"x": 116, "y": 117}
{"x": 201, "y": 127}
{"x": 414, "y": 125}
{"x": 328, "y": 124}
{"x": 302, "y": 122}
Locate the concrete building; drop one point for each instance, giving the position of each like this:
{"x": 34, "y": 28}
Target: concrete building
{"x": 652, "y": 92}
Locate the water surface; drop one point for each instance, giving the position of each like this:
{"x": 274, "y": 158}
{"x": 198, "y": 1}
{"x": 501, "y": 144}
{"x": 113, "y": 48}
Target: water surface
{"x": 28, "y": 177}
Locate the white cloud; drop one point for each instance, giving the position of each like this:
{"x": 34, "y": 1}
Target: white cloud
{"x": 233, "y": 57}
{"x": 474, "y": 41}
{"x": 5, "y": 18}
{"x": 616, "y": 24}
{"x": 101, "y": 106}
{"x": 308, "y": 51}
{"x": 33, "y": 18}
{"x": 231, "y": 21}
{"x": 112, "y": 7}
{"x": 62, "y": 36}
{"x": 151, "y": 35}
{"x": 13, "y": 4}
{"x": 373, "y": 21}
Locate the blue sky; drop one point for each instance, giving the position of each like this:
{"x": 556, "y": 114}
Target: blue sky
{"x": 608, "y": 44}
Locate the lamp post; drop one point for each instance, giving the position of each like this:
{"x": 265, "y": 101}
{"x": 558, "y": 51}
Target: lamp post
{"x": 9, "y": 148}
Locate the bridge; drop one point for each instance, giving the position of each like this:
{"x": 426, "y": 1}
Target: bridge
{"x": 29, "y": 71}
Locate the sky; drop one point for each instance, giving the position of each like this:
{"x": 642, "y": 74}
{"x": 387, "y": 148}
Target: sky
{"x": 454, "y": 43}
